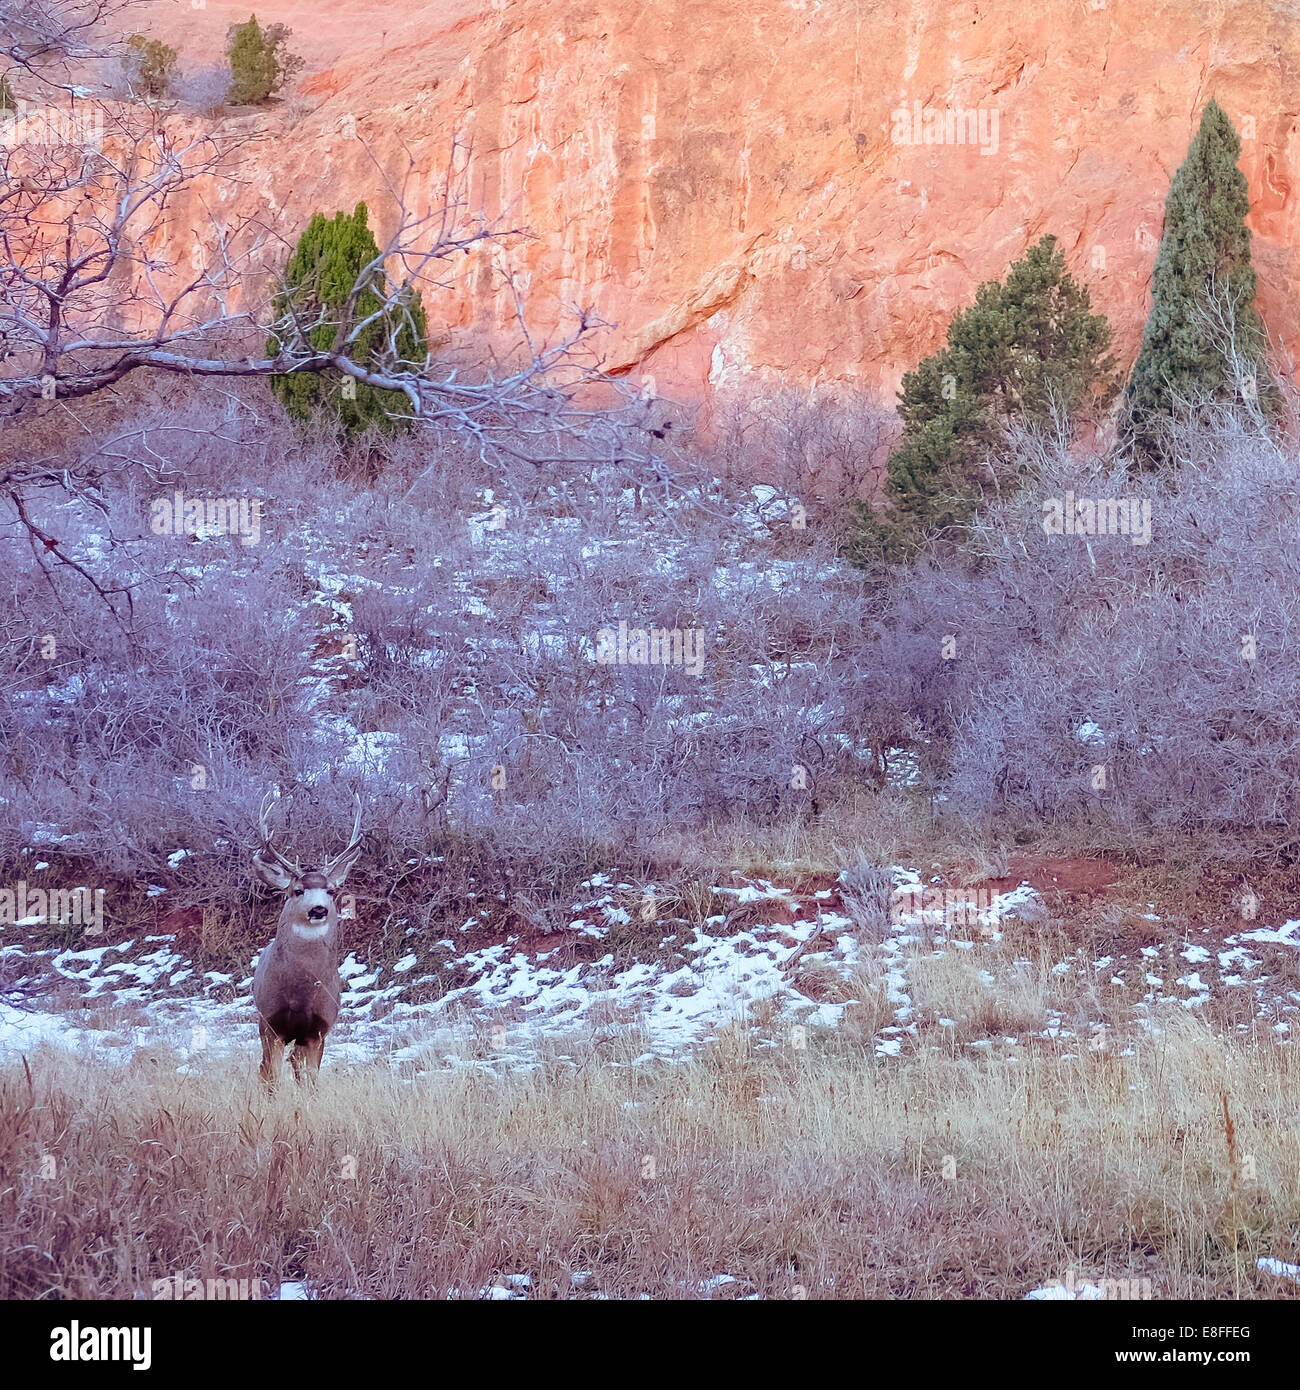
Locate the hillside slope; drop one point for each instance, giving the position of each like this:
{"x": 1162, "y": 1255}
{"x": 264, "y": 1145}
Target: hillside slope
{"x": 733, "y": 186}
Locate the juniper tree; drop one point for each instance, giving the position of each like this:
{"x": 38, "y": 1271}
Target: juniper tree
{"x": 260, "y": 63}
{"x": 149, "y": 65}
{"x": 1027, "y": 350}
{"x": 1204, "y": 340}
{"x": 336, "y": 297}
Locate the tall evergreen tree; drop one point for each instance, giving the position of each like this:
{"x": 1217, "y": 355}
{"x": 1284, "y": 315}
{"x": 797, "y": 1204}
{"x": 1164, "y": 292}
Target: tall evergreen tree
{"x": 8, "y": 102}
{"x": 1025, "y": 349}
{"x": 1203, "y": 285}
{"x": 320, "y": 280}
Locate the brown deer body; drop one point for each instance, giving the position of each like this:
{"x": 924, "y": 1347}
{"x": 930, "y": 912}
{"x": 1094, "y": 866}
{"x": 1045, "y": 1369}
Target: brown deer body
{"x": 296, "y": 986}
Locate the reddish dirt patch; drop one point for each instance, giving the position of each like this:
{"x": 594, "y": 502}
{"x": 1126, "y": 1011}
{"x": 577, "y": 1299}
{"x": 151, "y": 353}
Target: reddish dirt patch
{"x": 766, "y": 912}
{"x": 329, "y": 645}
{"x": 1059, "y": 876}
{"x": 806, "y": 890}
{"x": 178, "y": 920}
{"x": 561, "y": 949}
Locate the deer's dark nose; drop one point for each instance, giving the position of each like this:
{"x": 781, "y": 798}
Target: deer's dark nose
{"x": 315, "y": 914}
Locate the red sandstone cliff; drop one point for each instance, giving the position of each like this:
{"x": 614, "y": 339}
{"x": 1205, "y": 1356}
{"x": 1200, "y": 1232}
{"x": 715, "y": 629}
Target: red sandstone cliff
{"x": 731, "y": 182}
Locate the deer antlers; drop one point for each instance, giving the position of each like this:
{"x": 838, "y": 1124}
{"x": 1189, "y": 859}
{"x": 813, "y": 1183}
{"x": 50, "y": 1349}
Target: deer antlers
{"x": 265, "y": 832}
{"x": 354, "y": 843}
{"x": 293, "y": 866}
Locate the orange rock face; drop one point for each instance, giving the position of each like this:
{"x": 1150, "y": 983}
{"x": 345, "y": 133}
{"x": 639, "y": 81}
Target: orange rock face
{"x": 755, "y": 191}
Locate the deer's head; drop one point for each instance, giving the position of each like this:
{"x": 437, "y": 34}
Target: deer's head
{"x": 310, "y": 908}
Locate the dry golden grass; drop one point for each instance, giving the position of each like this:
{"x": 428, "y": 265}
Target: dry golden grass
{"x": 819, "y": 1169}
{"x": 1013, "y": 986}
{"x": 881, "y": 826}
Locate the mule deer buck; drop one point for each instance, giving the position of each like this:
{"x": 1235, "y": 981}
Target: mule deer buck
{"x": 296, "y": 987}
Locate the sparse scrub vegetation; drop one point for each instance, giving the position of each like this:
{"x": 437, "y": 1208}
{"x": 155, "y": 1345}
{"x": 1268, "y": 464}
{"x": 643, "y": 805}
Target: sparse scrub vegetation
{"x": 203, "y": 89}
{"x": 823, "y": 453}
{"x": 450, "y": 668}
{"x": 148, "y": 66}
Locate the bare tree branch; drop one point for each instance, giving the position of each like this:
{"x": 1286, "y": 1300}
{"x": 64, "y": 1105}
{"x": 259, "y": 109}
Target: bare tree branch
{"x": 40, "y": 35}
{"x": 94, "y": 286}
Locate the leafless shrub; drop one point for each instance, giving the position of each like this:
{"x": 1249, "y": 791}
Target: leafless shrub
{"x": 441, "y": 648}
{"x": 1140, "y": 685}
{"x": 826, "y": 449}
{"x": 867, "y": 889}
{"x": 297, "y": 108}
{"x": 203, "y": 90}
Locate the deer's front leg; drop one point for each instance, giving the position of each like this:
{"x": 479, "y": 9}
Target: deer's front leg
{"x": 272, "y": 1054}
{"x": 307, "y": 1065}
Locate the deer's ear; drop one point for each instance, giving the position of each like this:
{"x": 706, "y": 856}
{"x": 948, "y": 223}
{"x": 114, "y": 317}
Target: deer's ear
{"x": 272, "y": 874}
{"x": 338, "y": 872}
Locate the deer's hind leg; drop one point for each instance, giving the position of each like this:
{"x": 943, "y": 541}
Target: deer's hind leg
{"x": 272, "y": 1053}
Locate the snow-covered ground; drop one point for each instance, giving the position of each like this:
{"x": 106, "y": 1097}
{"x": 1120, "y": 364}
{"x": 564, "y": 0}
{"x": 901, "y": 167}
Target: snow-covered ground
{"x": 140, "y": 995}
{"x": 783, "y": 957}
